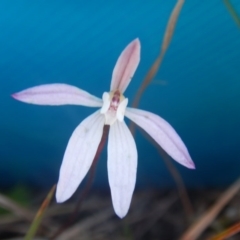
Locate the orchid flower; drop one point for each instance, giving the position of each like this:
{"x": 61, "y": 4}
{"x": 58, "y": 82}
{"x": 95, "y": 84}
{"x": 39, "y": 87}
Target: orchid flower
{"x": 122, "y": 151}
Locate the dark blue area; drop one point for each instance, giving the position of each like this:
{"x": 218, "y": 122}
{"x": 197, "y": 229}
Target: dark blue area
{"x": 78, "y": 42}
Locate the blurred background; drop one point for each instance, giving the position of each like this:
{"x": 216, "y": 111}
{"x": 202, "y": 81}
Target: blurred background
{"x": 196, "y": 89}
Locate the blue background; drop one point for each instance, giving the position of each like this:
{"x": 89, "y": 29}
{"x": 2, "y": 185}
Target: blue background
{"x": 77, "y": 42}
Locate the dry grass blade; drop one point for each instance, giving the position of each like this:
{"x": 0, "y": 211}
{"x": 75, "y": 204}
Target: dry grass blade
{"x": 232, "y": 11}
{"x": 15, "y": 208}
{"x": 198, "y": 227}
{"x": 166, "y": 41}
{"x": 9, "y": 219}
{"x": 82, "y": 227}
{"x": 227, "y": 233}
{"x": 155, "y": 215}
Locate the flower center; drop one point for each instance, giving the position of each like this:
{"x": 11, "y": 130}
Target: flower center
{"x": 115, "y": 100}
{"x": 114, "y": 105}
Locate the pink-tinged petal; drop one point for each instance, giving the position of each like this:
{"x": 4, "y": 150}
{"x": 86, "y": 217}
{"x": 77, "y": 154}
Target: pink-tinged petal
{"x": 162, "y": 132}
{"x": 126, "y": 66}
{"x": 122, "y": 166}
{"x": 78, "y": 157}
{"x": 57, "y": 94}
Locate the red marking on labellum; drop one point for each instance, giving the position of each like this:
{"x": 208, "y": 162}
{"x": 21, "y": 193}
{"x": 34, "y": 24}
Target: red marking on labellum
{"x": 115, "y": 100}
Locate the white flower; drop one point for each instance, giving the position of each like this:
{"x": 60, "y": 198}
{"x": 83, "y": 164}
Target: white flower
{"x": 122, "y": 152}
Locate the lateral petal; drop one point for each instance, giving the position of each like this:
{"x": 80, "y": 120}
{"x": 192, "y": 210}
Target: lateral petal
{"x": 163, "y": 133}
{"x": 79, "y": 154}
{"x": 57, "y": 94}
{"x": 126, "y": 66}
{"x": 122, "y": 166}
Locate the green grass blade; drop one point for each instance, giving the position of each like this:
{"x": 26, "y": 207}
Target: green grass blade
{"x": 38, "y": 218}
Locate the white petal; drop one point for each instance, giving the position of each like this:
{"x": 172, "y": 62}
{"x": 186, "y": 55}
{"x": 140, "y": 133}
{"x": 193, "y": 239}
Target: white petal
{"x": 122, "y": 166}
{"x": 57, "y": 94}
{"x": 126, "y": 66}
{"x": 162, "y": 133}
{"x": 78, "y": 157}
{"x": 121, "y": 109}
{"x": 106, "y": 102}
